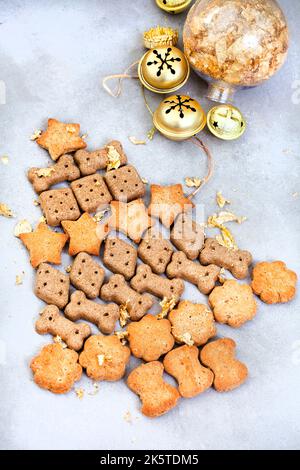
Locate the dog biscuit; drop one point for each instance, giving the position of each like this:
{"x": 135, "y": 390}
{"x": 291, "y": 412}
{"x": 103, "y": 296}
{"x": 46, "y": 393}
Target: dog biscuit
{"x": 219, "y": 356}
{"x": 51, "y": 321}
{"x": 91, "y": 193}
{"x": 132, "y": 219}
{"x": 187, "y": 236}
{"x": 146, "y": 281}
{"x": 104, "y": 316}
{"x": 52, "y": 286}
{"x": 157, "y": 396}
{"x": 274, "y": 282}
{"x": 236, "y": 261}
{"x": 120, "y": 257}
{"x": 58, "y": 205}
{"x": 183, "y": 364}
{"x": 90, "y": 162}
{"x": 155, "y": 251}
{"x": 87, "y": 275}
{"x": 125, "y": 184}
{"x": 204, "y": 277}
{"x": 117, "y": 290}
{"x": 167, "y": 202}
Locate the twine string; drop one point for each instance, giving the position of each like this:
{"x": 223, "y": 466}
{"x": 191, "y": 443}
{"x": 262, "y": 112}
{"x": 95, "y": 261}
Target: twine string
{"x": 210, "y": 164}
{"x": 120, "y": 76}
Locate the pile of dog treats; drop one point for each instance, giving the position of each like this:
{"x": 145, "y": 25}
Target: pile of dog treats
{"x": 180, "y": 339}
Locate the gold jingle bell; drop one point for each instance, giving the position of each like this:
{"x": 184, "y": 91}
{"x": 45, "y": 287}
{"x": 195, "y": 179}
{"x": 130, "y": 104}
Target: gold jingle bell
{"x": 226, "y": 122}
{"x": 179, "y": 117}
{"x": 173, "y": 6}
{"x": 164, "y": 69}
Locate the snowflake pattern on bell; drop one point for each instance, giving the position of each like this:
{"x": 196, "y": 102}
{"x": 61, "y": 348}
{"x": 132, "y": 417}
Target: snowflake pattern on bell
{"x": 180, "y": 104}
{"x": 168, "y": 61}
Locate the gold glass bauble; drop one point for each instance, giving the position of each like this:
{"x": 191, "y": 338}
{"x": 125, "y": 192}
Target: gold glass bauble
{"x": 226, "y": 122}
{"x": 179, "y": 117}
{"x": 235, "y": 43}
{"x": 163, "y": 69}
{"x": 173, "y": 6}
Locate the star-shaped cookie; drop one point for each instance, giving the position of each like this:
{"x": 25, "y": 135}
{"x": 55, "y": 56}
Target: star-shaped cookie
{"x": 60, "y": 138}
{"x": 85, "y": 234}
{"x": 130, "y": 218}
{"x": 167, "y": 202}
{"x": 44, "y": 245}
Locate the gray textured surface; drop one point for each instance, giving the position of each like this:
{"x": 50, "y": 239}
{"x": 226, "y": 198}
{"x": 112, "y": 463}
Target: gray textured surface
{"x": 53, "y": 55}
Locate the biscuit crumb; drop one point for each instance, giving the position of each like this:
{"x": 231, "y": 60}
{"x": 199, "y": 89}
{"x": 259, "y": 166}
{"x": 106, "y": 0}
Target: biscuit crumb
{"x": 22, "y": 227}
{"x": 222, "y": 278}
{"x": 79, "y": 393}
{"x": 36, "y": 134}
{"x": 5, "y": 211}
{"x": 42, "y": 220}
{"x": 224, "y": 217}
{"x": 102, "y": 358}
{"x": 5, "y": 159}
{"x": 36, "y": 202}
{"x": 113, "y": 157}
{"x": 99, "y": 215}
{"x": 221, "y": 200}
{"x": 127, "y": 417}
{"x": 122, "y": 335}
{"x": 57, "y": 339}
{"x": 187, "y": 339}
{"x": 19, "y": 278}
{"x": 145, "y": 181}
{"x": 135, "y": 141}
{"x": 44, "y": 172}
{"x": 192, "y": 182}
{"x": 166, "y": 306}
{"x": 84, "y": 136}
{"x": 68, "y": 268}
{"x": 95, "y": 389}
{"x": 124, "y": 315}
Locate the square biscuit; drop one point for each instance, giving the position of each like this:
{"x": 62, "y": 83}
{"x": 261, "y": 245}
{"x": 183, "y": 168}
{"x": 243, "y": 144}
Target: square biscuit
{"x": 155, "y": 251}
{"x": 125, "y": 184}
{"x": 52, "y": 286}
{"x": 91, "y": 193}
{"x": 87, "y": 275}
{"x": 58, "y": 205}
{"x": 187, "y": 236}
{"x": 120, "y": 257}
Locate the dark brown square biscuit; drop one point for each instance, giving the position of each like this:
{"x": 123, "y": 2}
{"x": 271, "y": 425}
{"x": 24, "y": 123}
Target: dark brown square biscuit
{"x": 87, "y": 275}
{"x": 58, "y": 205}
{"x": 155, "y": 251}
{"x": 125, "y": 184}
{"x": 120, "y": 257}
{"x": 91, "y": 193}
{"x": 187, "y": 236}
{"x": 52, "y": 286}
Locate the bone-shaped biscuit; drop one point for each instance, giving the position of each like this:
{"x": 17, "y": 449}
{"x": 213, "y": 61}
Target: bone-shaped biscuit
{"x": 146, "y": 281}
{"x": 204, "y": 277}
{"x": 117, "y": 290}
{"x": 51, "y": 321}
{"x": 64, "y": 170}
{"x": 236, "y": 261}
{"x": 102, "y": 315}
{"x": 90, "y": 162}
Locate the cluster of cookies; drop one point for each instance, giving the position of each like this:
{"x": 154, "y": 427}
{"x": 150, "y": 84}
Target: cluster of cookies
{"x": 169, "y": 341}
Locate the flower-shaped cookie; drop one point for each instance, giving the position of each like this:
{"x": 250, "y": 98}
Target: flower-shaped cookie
{"x": 104, "y": 358}
{"x": 56, "y": 368}
{"x": 233, "y": 303}
{"x": 274, "y": 282}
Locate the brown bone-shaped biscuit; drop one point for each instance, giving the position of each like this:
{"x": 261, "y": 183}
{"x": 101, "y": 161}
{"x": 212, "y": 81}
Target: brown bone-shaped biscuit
{"x": 117, "y": 290}
{"x": 90, "y": 162}
{"x": 157, "y": 396}
{"x": 102, "y": 315}
{"x": 219, "y": 357}
{"x": 146, "y": 281}
{"x": 51, "y": 321}
{"x": 183, "y": 364}
{"x": 236, "y": 261}
{"x": 204, "y": 277}
{"x": 64, "y": 170}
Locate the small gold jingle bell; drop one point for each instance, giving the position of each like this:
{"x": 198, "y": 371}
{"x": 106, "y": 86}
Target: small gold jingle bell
{"x": 164, "y": 69}
{"x": 173, "y": 6}
{"x": 179, "y": 117}
{"x": 226, "y": 122}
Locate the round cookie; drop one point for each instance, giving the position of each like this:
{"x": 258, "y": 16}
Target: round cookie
{"x": 104, "y": 358}
{"x": 56, "y": 368}
{"x": 150, "y": 338}
{"x": 273, "y": 282}
{"x": 196, "y": 320}
{"x": 233, "y": 303}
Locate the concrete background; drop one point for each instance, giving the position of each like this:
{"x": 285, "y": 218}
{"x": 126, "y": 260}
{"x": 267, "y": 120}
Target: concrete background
{"x": 53, "y": 55}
